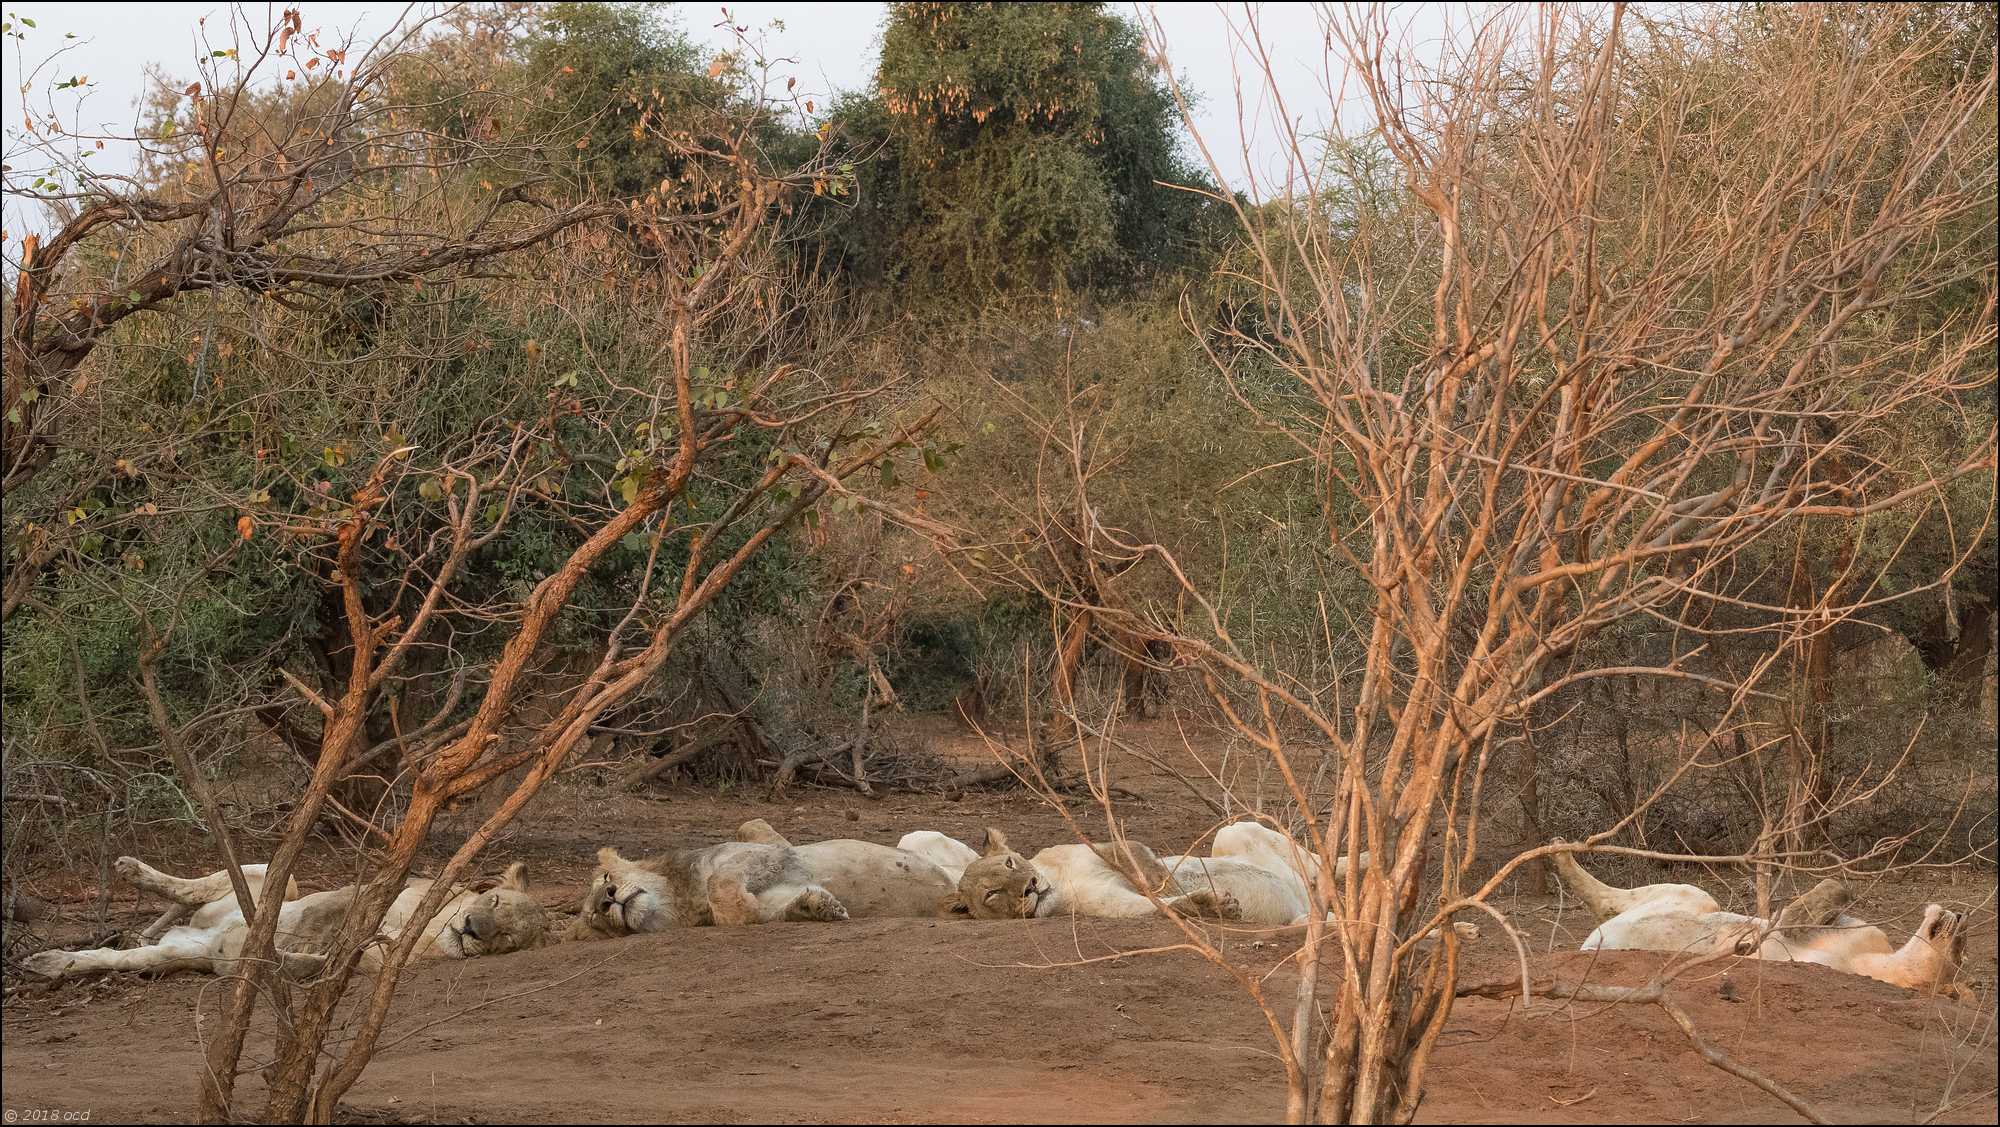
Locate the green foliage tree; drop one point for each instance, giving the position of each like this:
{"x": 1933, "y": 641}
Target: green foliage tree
{"x": 1017, "y": 147}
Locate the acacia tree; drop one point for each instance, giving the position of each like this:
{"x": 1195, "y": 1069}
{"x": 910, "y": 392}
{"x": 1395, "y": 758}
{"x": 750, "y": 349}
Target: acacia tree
{"x": 1620, "y": 332}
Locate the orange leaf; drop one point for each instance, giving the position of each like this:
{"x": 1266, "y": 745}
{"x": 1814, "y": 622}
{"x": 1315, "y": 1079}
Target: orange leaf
{"x": 192, "y": 88}
{"x": 245, "y": 526}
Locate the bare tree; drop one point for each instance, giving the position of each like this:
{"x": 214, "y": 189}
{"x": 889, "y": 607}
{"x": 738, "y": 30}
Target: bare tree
{"x": 1621, "y": 327}
{"x": 453, "y": 758}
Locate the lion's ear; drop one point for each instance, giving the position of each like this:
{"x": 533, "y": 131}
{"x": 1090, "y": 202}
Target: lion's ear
{"x": 608, "y": 857}
{"x": 516, "y": 877}
{"x": 995, "y": 844}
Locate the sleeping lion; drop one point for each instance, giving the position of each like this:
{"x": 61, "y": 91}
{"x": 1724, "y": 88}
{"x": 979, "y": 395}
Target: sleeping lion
{"x": 492, "y": 918}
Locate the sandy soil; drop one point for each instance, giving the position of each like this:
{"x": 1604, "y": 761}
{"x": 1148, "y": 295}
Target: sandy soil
{"x": 918, "y": 1021}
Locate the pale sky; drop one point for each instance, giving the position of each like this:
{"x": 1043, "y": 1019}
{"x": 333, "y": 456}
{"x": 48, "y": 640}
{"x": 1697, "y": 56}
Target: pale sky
{"x": 835, "y": 46}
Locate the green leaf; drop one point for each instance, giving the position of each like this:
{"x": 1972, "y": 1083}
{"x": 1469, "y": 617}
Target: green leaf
{"x": 628, "y": 487}
{"x": 635, "y": 541}
{"x": 430, "y": 490}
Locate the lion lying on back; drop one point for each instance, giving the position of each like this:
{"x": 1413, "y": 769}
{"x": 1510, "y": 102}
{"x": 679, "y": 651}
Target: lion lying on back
{"x": 1088, "y": 880}
{"x": 480, "y": 920}
{"x": 1255, "y": 875}
{"x": 758, "y": 878}
{"x": 1812, "y": 929}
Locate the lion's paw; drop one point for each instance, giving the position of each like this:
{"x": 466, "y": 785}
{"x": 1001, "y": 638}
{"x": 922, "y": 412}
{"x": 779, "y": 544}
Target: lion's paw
{"x": 817, "y": 905}
{"x": 50, "y": 964}
{"x": 1213, "y": 903}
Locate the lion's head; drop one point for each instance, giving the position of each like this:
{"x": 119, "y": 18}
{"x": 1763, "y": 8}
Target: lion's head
{"x": 623, "y": 899}
{"x": 1001, "y": 885}
{"x": 496, "y": 917}
{"x": 1943, "y": 932}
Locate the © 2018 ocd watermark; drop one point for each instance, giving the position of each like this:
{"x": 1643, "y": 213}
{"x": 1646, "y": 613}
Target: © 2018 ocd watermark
{"x": 43, "y": 1115}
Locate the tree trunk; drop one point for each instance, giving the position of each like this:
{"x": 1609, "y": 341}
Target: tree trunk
{"x": 1964, "y": 671}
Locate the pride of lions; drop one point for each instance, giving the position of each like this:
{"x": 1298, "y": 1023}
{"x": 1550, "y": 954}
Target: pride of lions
{"x": 1255, "y": 877}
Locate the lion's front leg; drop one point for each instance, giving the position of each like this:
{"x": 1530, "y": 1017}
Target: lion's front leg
{"x": 171, "y": 918}
{"x": 814, "y": 904}
{"x": 731, "y": 902}
{"x": 1209, "y": 903}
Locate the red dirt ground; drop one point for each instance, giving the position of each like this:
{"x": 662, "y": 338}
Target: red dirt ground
{"x": 921, "y": 1021}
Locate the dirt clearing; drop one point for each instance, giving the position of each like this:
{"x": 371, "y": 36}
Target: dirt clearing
{"x": 916, "y": 1021}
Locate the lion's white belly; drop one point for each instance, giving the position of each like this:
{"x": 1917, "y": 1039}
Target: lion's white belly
{"x": 1082, "y": 884}
{"x": 947, "y": 853}
{"x": 873, "y": 880}
{"x": 1268, "y": 898}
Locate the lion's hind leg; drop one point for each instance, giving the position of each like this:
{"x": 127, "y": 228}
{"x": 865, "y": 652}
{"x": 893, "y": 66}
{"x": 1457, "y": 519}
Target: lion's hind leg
{"x": 757, "y": 831}
{"x": 1819, "y": 907}
{"x": 182, "y": 948}
{"x": 193, "y": 892}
